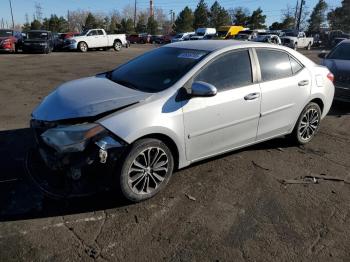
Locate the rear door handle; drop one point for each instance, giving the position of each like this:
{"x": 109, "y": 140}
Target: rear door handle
{"x": 252, "y": 96}
{"x": 303, "y": 83}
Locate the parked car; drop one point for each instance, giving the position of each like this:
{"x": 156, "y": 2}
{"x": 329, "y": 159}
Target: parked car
{"x": 201, "y": 33}
{"x": 10, "y": 40}
{"x": 295, "y": 40}
{"x": 176, "y": 105}
{"x": 38, "y": 41}
{"x": 338, "y": 62}
{"x": 268, "y": 38}
{"x": 139, "y": 38}
{"x": 229, "y": 32}
{"x": 182, "y": 37}
{"x": 95, "y": 38}
{"x": 247, "y": 35}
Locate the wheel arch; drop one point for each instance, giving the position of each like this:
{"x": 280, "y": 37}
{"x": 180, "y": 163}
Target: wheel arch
{"x": 169, "y": 142}
{"x": 319, "y": 102}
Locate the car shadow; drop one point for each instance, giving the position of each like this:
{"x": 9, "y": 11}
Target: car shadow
{"x": 21, "y": 199}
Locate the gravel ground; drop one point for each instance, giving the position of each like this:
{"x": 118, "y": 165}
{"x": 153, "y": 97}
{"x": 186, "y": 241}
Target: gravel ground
{"x": 230, "y": 208}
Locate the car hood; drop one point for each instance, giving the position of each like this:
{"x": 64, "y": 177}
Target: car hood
{"x": 337, "y": 65}
{"x": 87, "y": 97}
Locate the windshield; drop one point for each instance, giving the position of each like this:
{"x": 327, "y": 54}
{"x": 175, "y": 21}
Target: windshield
{"x": 290, "y": 34}
{"x": 157, "y": 70}
{"x": 84, "y": 32}
{"x": 37, "y": 35}
{"x": 341, "y": 52}
{"x": 222, "y": 33}
{"x": 6, "y": 33}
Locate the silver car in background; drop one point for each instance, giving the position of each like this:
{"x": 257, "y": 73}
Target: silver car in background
{"x": 338, "y": 62}
{"x": 177, "y": 105}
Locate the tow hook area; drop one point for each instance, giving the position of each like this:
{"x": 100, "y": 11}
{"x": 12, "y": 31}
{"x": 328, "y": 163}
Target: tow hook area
{"x": 104, "y": 144}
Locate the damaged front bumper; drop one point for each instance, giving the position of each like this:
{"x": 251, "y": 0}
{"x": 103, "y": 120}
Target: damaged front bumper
{"x": 90, "y": 161}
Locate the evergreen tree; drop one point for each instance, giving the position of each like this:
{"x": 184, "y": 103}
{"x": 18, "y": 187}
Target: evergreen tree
{"x": 239, "y": 16}
{"x": 257, "y": 20}
{"x": 141, "y": 26}
{"x": 318, "y": 17}
{"x": 127, "y": 26}
{"x": 201, "y": 15}
{"x": 90, "y": 21}
{"x": 184, "y": 22}
{"x": 218, "y": 16}
{"x": 35, "y": 25}
{"x": 339, "y": 18}
{"x": 152, "y": 26}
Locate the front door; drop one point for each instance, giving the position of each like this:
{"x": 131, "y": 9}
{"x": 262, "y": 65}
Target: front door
{"x": 228, "y": 120}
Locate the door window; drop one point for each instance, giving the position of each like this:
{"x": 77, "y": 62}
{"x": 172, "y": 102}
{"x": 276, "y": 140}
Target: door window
{"x": 231, "y": 70}
{"x": 296, "y": 66}
{"x": 274, "y": 64}
{"x": 92, "y": 33}
{"x": 100, "y": 32}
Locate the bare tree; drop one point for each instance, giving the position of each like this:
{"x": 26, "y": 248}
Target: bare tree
{"x": 77, "y": 19}
{"x": 128, "y": 12}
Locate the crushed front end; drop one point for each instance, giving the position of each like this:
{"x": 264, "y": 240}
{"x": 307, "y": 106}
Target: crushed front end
{"x": 73, "y": 159}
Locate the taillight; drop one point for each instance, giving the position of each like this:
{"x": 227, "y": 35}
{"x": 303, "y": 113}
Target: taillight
{"x": 330, "y": 76}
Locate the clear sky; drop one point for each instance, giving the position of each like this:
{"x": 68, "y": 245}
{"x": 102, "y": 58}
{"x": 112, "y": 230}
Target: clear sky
{"x": 272, "y": 8}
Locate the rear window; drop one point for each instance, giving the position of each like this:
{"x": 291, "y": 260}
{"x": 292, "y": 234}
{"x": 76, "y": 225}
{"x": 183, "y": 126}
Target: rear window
{"x": 274, "y": 64}
{"x": 157, "y": 70}
{"x": 341, "y": 52}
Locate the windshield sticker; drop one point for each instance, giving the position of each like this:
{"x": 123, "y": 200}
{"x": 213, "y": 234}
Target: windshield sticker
{"x": 191, "y": 55}
{"x": 43, "y": 33}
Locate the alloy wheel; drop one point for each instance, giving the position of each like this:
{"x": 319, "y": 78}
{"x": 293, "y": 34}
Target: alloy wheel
{"x": 309, "y": 124}
{"x": 148, "y": 170}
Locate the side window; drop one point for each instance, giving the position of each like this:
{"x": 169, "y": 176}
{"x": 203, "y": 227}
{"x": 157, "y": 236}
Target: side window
{"x": 100, "y": 32}
{"x": 228, "y": 71}
{"x": 274, "y": 64}
{"x": 92, "y": 33}
{"x": 296, "y": 66}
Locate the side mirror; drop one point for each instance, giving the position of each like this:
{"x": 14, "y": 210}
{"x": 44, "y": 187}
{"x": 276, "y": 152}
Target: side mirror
{"x": 203, "y": 89}
{"x": 322, "y": 55}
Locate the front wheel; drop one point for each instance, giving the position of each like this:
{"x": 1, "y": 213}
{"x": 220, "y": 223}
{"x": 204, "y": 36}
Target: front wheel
{"x": 82, "y": 47}
{"x": 146, "y": 169}
{"x": 308, "y": 124}
{"x": 117, "y": 45}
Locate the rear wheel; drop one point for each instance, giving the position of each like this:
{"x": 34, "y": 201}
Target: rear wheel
{"x": 117, "y": 45}
{"x": 145, "y": 170}
{"x": 308, "y": 46}
{"x": 295, "y": 46}
{"x": 308, "y": 124}
{"x": 82, "y": 47}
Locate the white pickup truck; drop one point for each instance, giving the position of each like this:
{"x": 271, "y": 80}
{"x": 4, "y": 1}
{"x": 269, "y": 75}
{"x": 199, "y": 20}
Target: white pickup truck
{"x": 95, "y": 38}
{"x": 297, "y": 40}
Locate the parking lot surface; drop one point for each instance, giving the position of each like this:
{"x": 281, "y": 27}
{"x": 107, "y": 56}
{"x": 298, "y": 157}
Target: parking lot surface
{"x": 230, "y": 208}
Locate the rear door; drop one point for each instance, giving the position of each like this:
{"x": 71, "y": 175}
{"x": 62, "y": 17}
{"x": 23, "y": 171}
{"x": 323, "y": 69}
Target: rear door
{"x": 285, "y": 86}
{"x": 229, "y": 119}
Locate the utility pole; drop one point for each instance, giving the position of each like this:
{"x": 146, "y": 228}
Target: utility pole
{"x": 300, "y": 13}
{"x": 13, "y": 21}
{"x": 151, "y": 11}
{"x": 296, "y": 15}
{"x": 135, "y": 10}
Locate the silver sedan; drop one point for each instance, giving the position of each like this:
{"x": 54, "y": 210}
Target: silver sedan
{"x": 177, "y": 105}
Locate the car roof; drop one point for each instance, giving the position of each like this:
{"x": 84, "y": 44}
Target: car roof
{"x": 213, "y": 45}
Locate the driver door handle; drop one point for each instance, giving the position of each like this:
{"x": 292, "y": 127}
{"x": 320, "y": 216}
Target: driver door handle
{"x": 303, "y": 83}
{"x": 252, "y": 96}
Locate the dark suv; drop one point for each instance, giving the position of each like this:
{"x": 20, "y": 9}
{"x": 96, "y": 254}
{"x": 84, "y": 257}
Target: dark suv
{"x": 38, "y": 41}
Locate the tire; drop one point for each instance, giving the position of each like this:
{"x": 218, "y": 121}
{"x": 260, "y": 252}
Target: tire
{"x": 310, "y": 118}
{"x": 83, "y": 47}
{"x": 295, "y": 46}
{"x": 308, "y": 46}
{"x": 117, "y": 46}
{"x": 136, "y": 177}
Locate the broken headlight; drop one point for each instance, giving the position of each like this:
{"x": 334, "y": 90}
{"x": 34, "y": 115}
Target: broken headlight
{"x": 67, "y": 139}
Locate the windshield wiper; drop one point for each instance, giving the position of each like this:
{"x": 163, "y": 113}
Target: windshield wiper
{"x": 125, "y": 83}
